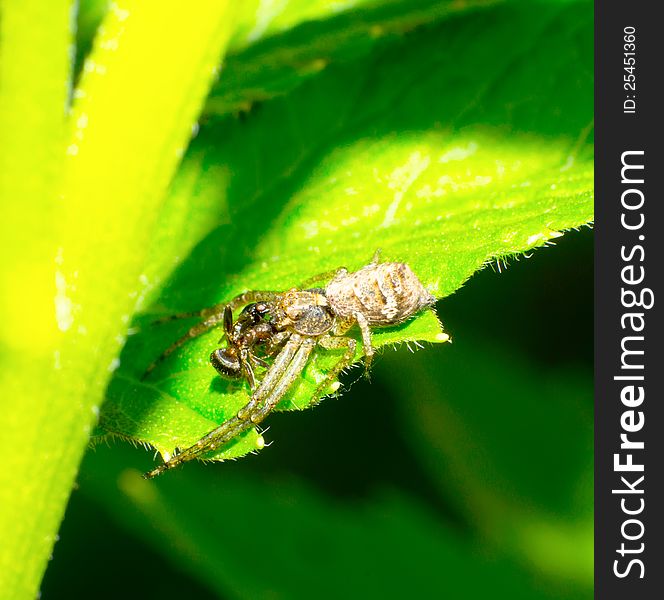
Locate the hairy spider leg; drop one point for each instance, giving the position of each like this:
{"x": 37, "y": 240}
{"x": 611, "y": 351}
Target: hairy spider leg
{"x": 287, "y": 366}
{"x": 228, "y": 430}
{"x": 294, "y": 370}
{"x": 339, "y": 272}
{"x": 367, "y": 347}
{"x": 214, "y": 315}
{"x": 252, "y": 296}
{"x": 334, "y": 343}
{"x": 309, "y": 283}
{"x": 274, "y": 374}
{"x": 199, "y": 329}
{"x": 237, "y": 424}
{"x": 237, "y": 301}
{"x": 203, "y": 312}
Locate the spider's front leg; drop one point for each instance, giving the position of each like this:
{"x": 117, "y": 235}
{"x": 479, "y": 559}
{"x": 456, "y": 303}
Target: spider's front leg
{"x": 251, "y": 296}
{"x": 257, "y": 413}
{"x": 236, "y": 302}
{"x": 214, "y": 315}
{"x": 277, "y": 381}
{"x": 327, "y": 276}
{"x": 217, "y": 437}
{"x": 211, "y": 322}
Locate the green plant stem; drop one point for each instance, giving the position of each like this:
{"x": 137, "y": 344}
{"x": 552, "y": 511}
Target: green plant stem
{"x": 141, "y": 92}
{"x": 35, "y": 39}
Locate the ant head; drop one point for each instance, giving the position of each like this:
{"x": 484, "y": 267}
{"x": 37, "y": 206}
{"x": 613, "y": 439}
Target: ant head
{"x": 257, "y": 312}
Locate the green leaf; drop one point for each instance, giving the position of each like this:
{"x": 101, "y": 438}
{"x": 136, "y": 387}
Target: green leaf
{"x": 279, "y": 46}
{"x": 443, "y": 153}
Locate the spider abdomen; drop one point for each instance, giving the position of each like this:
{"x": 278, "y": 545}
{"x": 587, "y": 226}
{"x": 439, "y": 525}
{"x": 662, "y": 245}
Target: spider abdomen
{"x": 383, "y": 293}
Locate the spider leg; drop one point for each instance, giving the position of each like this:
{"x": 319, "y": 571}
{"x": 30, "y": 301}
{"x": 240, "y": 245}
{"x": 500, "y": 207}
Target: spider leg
{"x": 204, "y": 312}
{"x": 257, "y": 361}
{"x": 217, "y": 437}
{"x": 237, "y": 301}
{"x": 367, "y": 346}
{"x": 209, "y": 323}
{"x": 214, "y": 315}
{"x": 332, "y": 343}
{"x": 272, "y": 376}
{"x": 279, "y": 378}
{"x": 252, "y": 296}
{"x": 328, "y": 275}
{"x": 293, "y": 371}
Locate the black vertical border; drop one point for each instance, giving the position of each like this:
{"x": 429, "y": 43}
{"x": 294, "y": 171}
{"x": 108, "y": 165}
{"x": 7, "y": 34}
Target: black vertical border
{"x": 615, "y": 133}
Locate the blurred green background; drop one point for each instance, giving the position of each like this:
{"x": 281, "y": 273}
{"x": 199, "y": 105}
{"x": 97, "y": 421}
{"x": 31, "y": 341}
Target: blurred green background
{"x": 459, "y": 471}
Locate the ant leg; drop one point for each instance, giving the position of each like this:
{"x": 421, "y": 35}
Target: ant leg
{"x": 274, "y": 386}
{"x": 248, "y": 369}
{"x": 333, "y": 343}
{"x": 276, "y": 342}
{"x": 257, "y": 362}
{"x": 272, "y": 347}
